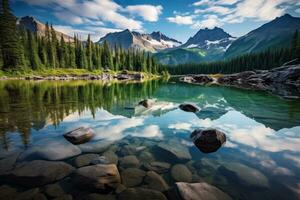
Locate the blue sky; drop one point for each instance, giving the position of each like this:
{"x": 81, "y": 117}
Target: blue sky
{"x": 179, "y": 19}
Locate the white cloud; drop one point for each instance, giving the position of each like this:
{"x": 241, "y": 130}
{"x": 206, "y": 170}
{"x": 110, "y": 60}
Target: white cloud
{"x": 147, "y": 12}
{"x": 68, "y": 17}
{"x": 215, "y": 9}
{"x": 181, "y": 126}
{"x": 182, "y": 20}
{"x": 210, "y": 22}
{"x": 203, "y": 2}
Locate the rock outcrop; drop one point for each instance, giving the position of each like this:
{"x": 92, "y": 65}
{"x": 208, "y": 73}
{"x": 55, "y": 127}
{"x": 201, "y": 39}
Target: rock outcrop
{"x": 79, "y": 135}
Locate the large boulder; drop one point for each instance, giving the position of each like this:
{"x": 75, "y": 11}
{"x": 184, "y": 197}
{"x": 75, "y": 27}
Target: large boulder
{"x": 50, "y": 149}
{"x": 189, "y": 107}
{"x": 209, "y": 140}
{"x": 97, "y": 177}
{"x": 200, "y": 191}
{"x": 132, "y": 177}
{"x": 37, "y": 173}
{"x": 180, "y": 173}
{"x": 79, "y": 135}
{"x": 141, "y": 194}
{"x": 174, "y": 151}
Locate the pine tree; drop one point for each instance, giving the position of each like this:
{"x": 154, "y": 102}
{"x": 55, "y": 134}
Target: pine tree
{"x": 106, "y": 56}
{"x": 89, "y": 53}
{"x": 35, "y": 62}
{"x": 9, "y": 41}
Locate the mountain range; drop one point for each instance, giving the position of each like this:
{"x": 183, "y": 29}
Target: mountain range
{"x": 153, "y": 42}
{"x": 206, "y": 45}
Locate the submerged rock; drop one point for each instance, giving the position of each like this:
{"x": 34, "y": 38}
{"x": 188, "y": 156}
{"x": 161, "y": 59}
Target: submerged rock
{"x": 37, "y": 173}
{"x": 159, "y": 167}
{"x": 141, "y": 194}
{"x": 180, "y": 173}
{"x": 188, "y": 107}
{"x": 111, "y": 157}
{"x": 50, "y": 149}
{"x": 129, "y": 162}
{"x": 155, "y": 181}
{"x": 209, "y": 140}
{"x": 147, "y": 103}
{"x": 8, "y": 163}
{"x": 85, "y": 159}
{"x": 54, "y": 190}
{"x": 97, "y": 177}
{"x": 174, "y": 151}
{"x": 96, "y": 196}
{"x": 95, "y": 147}
{"x": 246, "y": 175}
{"x": 132, "y": 177}
{"x": 79, "y": 135}
{"x": 8, "y": 192}
{"x": 200, "y": 191}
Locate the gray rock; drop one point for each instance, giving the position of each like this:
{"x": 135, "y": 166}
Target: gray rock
{"x": 159, "y": 167}
{"x": 174, "y": 150}
{"x": 50, "y": 149}
{"x": 200, "y": 191}
{"x": 132, "y": 177}
{"x": 129, "y": 162}
{"x": 155, "y": 181}
{"x": 111, "y": 157}
{"x": 54, "y": 190}
{"x": 197, "y": 79}
{"x": 95, "y": 147}
{"x": 85, "y": 159}
{"x": 209, "y": 140}
{"x": 180, "y": 173}
{"x": 37, "y": 173}
{"x": 39, "y": 196}
{"x": 131, "y": 149}
{"x": 100, "y": 160}
{"x": 146, "y": 157}
{"x": 98, "y": 177}
{"x": 8, "y": 163}
{"x": 189, "y": 107}
{"x": 141, "y": 194}
{"x": 79, "y": 135}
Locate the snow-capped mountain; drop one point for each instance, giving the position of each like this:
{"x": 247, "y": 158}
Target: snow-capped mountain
{"x": 207, "y": 39}
{"x": 205, "y": 45}
{"x": 153, "y": 42}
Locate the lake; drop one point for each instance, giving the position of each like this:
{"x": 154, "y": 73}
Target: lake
{"x": 260, "y": 159}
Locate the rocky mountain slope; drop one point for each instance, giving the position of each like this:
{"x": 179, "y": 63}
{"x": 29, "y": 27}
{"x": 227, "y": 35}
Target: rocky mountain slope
{"x": 275, "y": 34}
{"x": 153, "y": 42}
{"x": 32, "y": 24}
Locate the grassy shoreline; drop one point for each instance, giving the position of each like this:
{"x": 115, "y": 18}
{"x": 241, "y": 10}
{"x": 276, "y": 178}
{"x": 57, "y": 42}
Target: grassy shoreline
{"x": 66, "y": 72}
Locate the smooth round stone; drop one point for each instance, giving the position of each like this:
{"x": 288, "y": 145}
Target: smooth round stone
{"x": 129, "y": 162}
{"x": 53, "y": 190}
{"x": 95, "y": 147}
{"x": 120, "y": 188}
{"x": 180, "y": 173}
{"x": 29, "y": 194}
{"x": 37, "y": 173}
{"x": 99, "y": 160}
{"x": 97, "y": 177}
{"x": 84, "y": 160}
{"x": 141, "y": 194}
{"x": 146, "y": 157}
{"x": 174, "y": 150}
{"x": 8, "y": 163}
{"x": 8, "y": 192}
{"x": 155, "y": 181}
{"x": 111, "y": 157}
{"x": 132, "y": 177}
